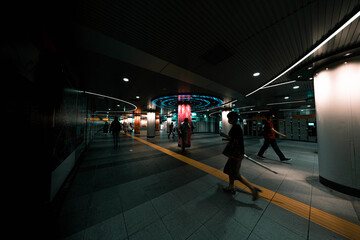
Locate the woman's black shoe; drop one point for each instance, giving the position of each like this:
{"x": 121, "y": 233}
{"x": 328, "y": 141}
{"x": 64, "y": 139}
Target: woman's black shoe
{"x": 256, "y": 191}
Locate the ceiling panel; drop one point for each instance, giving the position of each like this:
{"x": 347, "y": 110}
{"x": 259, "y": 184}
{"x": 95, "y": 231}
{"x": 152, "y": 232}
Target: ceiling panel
{"x": 261, "y": 35}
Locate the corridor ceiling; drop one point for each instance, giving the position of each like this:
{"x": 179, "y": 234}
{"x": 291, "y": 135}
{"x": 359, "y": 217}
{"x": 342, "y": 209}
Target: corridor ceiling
{"x": 208, "y": 47}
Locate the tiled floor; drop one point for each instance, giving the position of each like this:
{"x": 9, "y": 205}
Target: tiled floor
{"x": 138, "y": 192}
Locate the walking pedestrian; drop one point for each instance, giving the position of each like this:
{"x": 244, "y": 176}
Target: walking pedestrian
{"x": 183, "y": 133}
{"x": 269, "y": 139}
{"x": 171, "y": 130}
{"x": 106, "y": 128}
{"x": 235, "y": 150}
{"x": 115, "y": 128}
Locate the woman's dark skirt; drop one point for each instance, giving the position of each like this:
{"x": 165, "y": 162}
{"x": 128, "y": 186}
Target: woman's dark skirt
{"x": 232, "y": 167}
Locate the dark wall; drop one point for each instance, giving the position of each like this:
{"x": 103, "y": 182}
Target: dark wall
{"x": 43, "y": 121}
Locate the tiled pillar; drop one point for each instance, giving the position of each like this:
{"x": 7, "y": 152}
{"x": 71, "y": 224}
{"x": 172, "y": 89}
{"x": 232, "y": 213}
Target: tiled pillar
{"x": 168, "y": 122}
{"x": 157, "y": 122}
{"x": 137, "y": 121}
{"x": 151, "y": 124}
{"x": 337, "y": 101}
{"x": 226, "y": 126}
{"x": 184, "y": 111}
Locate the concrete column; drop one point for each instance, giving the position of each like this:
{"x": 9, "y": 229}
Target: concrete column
{"x": 226, "y": 126}
{"x": 151, "y": 124}
{"x": 168, "y": 122}
{"x": 337, "y": 100}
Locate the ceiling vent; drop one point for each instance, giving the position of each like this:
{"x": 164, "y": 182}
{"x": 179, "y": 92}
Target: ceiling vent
{"x": 216, "y": 54}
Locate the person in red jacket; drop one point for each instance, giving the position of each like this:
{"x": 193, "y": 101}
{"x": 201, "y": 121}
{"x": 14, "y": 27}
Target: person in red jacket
{"x": 269, "y": 139}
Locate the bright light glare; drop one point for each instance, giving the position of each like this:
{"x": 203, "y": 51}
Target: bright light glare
{"x": 295, "y": 87}
{"x": 125, "y": 79}
{"x": 310, "y": 53}
{"x": 256, "y": 74}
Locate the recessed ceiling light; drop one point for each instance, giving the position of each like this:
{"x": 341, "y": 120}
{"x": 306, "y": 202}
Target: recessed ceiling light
{"x": 286, "y": 97}
{"x": 309, "y": 68}
{"x": 308, "y": 105}
{"x": 256, "y": 74}
{"x": 295, "y": 87}
{"x": 311, "y": 78}
{"x": 137, "y": 97}
{"x": 347, "y": 54}
{"x": 125, "y": 79}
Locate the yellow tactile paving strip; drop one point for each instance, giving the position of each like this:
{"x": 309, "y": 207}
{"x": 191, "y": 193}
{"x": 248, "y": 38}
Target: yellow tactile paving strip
{"x": 331, "y": 222}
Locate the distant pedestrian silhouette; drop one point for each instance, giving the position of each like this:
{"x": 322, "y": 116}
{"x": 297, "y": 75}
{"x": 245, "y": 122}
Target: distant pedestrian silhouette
{"x": 171, "y": 130}
{"x": 269, "y": 138}
{"x": 115, "y": 128}
{"x": 184, "y": 130}
{"x": 106, "y": 128}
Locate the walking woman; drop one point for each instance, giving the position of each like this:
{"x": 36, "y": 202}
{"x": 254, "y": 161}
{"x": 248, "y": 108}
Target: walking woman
{"x": 234, "y": 150}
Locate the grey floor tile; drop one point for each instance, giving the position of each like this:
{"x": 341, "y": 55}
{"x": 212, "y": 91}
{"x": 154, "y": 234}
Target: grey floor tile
{"x": 185, "y": 193}
{"x": 181, "y": 224}
{"x": 72, "y": 223}
{"x": 326, "y": 200}
{"x": 298, "y": 190}
{"x": 132, "y": 196}
{"x": 166, "y": 204}
{"x": 317, "y": 232}
{"x": 154, "y": 231}
{"x": 199, "y": 185}
{"x": 253, "y": 236}
{"x": 201, "y": 208}
{"x": 76, "y": 205}
{"x": 217, "y": 196}
{"x": 110, "y": 229}
{"x": 139, "y": 217}
{"x": 202, "y": 234}
{"x": 76, "y": 236}
{"x": 288, "y": 220}
{"x": 269, "y": 229}
{"x": 104, "y": 210}
{"x": 104, "y": 195}
{"x": 223, "y": 226}
{"x": 244, "y": 210}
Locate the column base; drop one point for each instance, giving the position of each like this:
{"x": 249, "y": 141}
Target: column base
{"x": 339, "y": 187}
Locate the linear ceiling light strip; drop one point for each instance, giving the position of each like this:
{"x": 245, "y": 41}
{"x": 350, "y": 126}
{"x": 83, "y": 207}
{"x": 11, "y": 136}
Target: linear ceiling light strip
{"x": 279, "y": 84}
{"x": 116, "y": 99}
{"x": 224, "y": 104}
{"x": 311, "y": 52}
{"x": 256, "y": 111}
{"x": 279, "y": 103}
{"x": 245, "y": 107}
{"x": 296, "y": 109}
